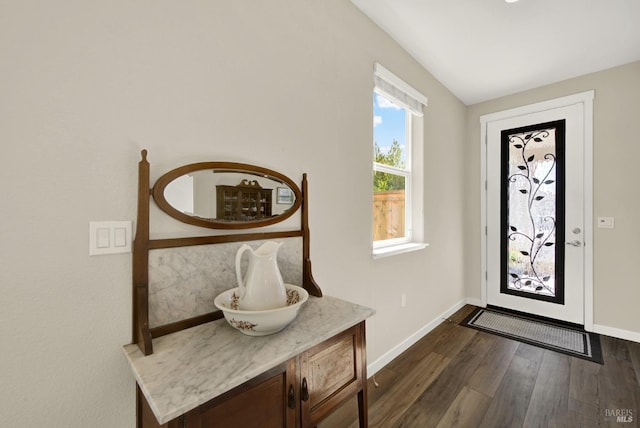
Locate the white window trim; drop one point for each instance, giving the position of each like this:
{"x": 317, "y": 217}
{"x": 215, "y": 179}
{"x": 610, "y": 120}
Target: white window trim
{"x": 393, "y": 250}
{"x": 415, "y": 101}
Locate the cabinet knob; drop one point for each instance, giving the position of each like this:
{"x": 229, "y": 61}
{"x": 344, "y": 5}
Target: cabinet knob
{"x": 292, "y": 397}
{"x": 305, "y": 390}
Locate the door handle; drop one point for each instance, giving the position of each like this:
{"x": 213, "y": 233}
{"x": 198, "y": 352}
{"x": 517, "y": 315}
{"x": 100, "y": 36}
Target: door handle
{"x": 575, "y": 243}
{"x": 292, "y": 398}
{"x": 305, "y": 390}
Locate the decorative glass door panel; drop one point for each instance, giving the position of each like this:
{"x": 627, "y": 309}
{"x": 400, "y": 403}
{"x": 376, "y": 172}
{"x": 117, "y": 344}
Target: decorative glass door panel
{"x": 532, "y": 211}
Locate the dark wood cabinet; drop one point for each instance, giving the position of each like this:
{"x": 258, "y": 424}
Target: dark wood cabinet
{"x": 298, "y": 393}
{"x": 245, "y": 202}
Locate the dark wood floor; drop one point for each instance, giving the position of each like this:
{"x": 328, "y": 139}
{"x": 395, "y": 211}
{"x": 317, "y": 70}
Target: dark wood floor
{"x": 459, "y": 377}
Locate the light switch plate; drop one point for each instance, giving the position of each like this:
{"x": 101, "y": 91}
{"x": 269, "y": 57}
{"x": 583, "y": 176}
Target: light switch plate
{"x": 109, "y": 237}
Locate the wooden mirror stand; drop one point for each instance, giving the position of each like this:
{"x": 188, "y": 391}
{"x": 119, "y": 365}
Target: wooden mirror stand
{"x": 142, "y": 333}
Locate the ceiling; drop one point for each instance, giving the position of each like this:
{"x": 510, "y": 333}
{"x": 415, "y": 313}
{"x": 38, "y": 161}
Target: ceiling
{"x": 485, "y": 49}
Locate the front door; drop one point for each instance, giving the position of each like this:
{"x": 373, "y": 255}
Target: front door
{"x": 535, "y": 213}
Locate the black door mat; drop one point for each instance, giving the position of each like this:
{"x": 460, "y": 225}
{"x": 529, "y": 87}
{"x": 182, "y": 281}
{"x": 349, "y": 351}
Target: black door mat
{"x": 543, "y": 333}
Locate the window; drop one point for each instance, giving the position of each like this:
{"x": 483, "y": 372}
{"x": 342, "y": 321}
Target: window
{"x": 397, "y": 164}
{"x": 391, "y": 170}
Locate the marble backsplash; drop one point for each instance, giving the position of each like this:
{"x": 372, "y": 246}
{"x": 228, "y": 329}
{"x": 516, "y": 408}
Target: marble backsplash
{"x": 184, "y": 281}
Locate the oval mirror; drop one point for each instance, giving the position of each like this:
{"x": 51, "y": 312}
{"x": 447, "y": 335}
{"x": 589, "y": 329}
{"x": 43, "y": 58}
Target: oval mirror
{"x": 226, "y": 195}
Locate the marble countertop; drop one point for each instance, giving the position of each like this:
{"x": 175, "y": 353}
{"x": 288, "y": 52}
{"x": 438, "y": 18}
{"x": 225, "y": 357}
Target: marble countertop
{"x": 193, "y": 366}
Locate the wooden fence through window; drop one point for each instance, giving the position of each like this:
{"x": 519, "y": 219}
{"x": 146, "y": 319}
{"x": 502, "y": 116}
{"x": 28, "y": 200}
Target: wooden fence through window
{"x": 388, "y": 214}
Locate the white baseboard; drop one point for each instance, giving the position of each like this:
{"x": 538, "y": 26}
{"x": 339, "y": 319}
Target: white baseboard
{"x": 475, "y": 302}
{"x": 385, "y": 359}
{"x": 633, "y": 336}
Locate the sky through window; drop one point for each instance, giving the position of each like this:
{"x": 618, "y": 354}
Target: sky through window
{"x": 389, "y": 123}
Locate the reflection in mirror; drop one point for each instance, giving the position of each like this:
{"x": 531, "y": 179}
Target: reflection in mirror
{"x": 216, "y": 195}
{"x": 228, "y": 195}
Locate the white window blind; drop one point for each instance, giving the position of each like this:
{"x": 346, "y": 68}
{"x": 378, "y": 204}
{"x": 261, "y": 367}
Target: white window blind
{"x": 395, "y": 89}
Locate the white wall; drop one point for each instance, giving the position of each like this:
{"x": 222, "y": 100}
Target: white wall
{"x": 616, "y": 147}
{"x": 285, "y": 84}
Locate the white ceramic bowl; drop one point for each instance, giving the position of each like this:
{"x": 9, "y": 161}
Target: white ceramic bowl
{"x": 261, "y": 323}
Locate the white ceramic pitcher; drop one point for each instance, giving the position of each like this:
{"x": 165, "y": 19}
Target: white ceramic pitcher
{"x": 262, "y": 287}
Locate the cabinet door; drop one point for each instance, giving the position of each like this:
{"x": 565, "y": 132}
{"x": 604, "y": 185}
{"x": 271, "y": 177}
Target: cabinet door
{"x": 330, "y": 374}
{"x": 260, "y": 403}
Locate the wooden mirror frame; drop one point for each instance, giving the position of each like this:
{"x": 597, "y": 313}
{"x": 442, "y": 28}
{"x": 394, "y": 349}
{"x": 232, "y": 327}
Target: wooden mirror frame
{"x": 161, "y": 184}
{"x": 142, "y": 333}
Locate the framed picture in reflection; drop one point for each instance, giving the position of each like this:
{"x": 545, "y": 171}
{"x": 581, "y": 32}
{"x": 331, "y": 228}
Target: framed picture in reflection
{"x": 284, "y": 196}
